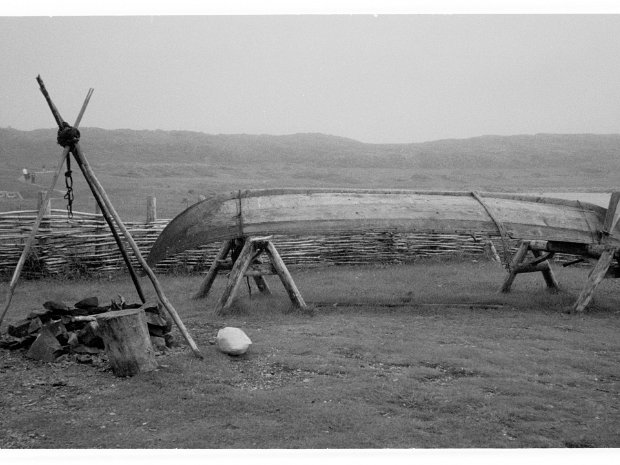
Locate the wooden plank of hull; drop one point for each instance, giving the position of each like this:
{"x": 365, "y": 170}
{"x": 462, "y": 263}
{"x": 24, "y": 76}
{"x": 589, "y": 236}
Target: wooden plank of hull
{"x": 335, "y": 211}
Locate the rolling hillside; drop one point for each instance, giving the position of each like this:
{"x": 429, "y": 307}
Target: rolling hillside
{"x": 179, "y": 166}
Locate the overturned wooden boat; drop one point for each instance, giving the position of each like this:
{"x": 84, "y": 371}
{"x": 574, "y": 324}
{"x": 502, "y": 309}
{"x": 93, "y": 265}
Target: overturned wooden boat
{"x": 304, "y": 212}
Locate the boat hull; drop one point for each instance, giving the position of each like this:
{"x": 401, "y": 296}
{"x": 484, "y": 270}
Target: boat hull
{"x": 300, "y": 212}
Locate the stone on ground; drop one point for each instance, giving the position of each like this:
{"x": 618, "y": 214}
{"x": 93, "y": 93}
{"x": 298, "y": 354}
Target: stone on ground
{"x": 89, "y": 302}
{"x": 233, "y": 341}
{"x": 45, "y": 347}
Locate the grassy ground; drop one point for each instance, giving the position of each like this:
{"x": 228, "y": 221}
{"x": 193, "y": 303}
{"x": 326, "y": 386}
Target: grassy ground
{"x": 391, "y": 359}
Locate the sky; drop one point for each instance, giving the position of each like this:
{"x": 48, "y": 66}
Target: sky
{"x": 385, "y": 78}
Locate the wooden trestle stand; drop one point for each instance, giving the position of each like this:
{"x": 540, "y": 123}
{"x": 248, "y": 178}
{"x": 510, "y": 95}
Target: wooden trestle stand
{"x": 244, "y": 263}
{"x": 605, "y": 250}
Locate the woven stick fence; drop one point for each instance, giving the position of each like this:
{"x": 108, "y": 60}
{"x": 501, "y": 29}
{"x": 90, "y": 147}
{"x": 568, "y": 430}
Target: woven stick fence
{"x": 84, "y": 245}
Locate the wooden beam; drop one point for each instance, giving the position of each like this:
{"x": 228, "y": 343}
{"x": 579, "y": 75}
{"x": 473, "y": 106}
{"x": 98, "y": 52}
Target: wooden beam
{"x": 611, "y": 217}
{"x": 206, "y": 284}
{"x": 530, "y": 268}
{"x": 262, "y": 285}
{"x": 107, "y": 216}
{"x": 285, "y": 277}
{"x": 547, "y": 272}
{"x": 594, "y": 279}
{"x": 151, "y": 209}
{"x": 514, "y": 265}
{"x": 539, "y": 258}
{"x": 590, "y": 250}
{"x": 236, "y": 277}
{"x": 500, "y": 226}
{"x": 258, "y": 272}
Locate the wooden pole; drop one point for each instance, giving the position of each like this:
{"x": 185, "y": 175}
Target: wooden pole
{"x": 594, "y": 279}
{"x": 92, "y": 180}
{"x": 205, "y": 286}
{"x": 108, "y": 219}
{"x": 151, "y": 209}
{"x": 44, "y": 202}
{"x": 285, "y": 276}
{"x": 236, "y": 277}
{"x": 261, "y": 283}
{"x": 514, "y": 265}
{"x": 547, "y": 272}
{"x": 611, "y": 218}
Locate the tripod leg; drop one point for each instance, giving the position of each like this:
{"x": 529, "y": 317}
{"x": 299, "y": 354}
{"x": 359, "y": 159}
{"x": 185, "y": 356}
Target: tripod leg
{"x": 108, "y": 218}
{"x": 37, "y": 223}
{"x": 31, "y": 238}
{"x": 90, "y": 175}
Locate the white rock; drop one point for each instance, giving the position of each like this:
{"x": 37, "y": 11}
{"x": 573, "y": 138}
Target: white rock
{"x": 233, "y": 341}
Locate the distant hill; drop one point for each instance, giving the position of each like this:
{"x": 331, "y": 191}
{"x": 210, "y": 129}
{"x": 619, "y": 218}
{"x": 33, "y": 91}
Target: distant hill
{"x": 181, "y": 165}
{"x": 544, "y": 150}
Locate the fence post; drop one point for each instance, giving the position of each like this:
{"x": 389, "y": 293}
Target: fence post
{"x": 151, "y": 209}
{"x": 48, "y": 207}
{"x": 40, "y": 250}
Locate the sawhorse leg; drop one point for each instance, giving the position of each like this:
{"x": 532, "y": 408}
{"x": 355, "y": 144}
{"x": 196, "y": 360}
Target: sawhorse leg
{"x": 540, "y": 263}
{"x": 594, "y": 279}
{"x": 206, "y": 284}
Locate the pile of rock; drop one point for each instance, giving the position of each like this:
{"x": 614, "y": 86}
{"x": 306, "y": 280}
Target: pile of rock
{"x": 58, "y": 330}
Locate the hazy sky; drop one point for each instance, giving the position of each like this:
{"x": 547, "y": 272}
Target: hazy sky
{"x": 389, "y": 78}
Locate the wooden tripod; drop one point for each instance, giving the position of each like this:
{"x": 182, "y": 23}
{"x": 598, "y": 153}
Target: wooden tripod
{"x": 111, "y": 216}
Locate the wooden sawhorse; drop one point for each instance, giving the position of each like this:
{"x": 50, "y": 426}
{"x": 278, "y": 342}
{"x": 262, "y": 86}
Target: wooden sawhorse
{"x": 604, "y": 251}
{"x": 244, "y": 262}
{"x": 603, "y": 268}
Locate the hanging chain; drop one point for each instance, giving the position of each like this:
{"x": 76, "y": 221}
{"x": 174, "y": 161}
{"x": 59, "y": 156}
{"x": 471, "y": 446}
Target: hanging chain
{"x": 69, "y": 185}
{"x": 68, "y": 136}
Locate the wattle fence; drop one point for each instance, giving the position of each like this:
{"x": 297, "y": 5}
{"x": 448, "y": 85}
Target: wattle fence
{"x": 84, "y": 245}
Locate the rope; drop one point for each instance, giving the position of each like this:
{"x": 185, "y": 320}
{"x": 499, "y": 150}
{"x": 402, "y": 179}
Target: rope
{"x": 67, "y": 135}
{"x": 500, "y": 227}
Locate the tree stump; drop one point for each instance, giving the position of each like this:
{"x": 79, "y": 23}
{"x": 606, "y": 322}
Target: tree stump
{"x": 127, "y": 342}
